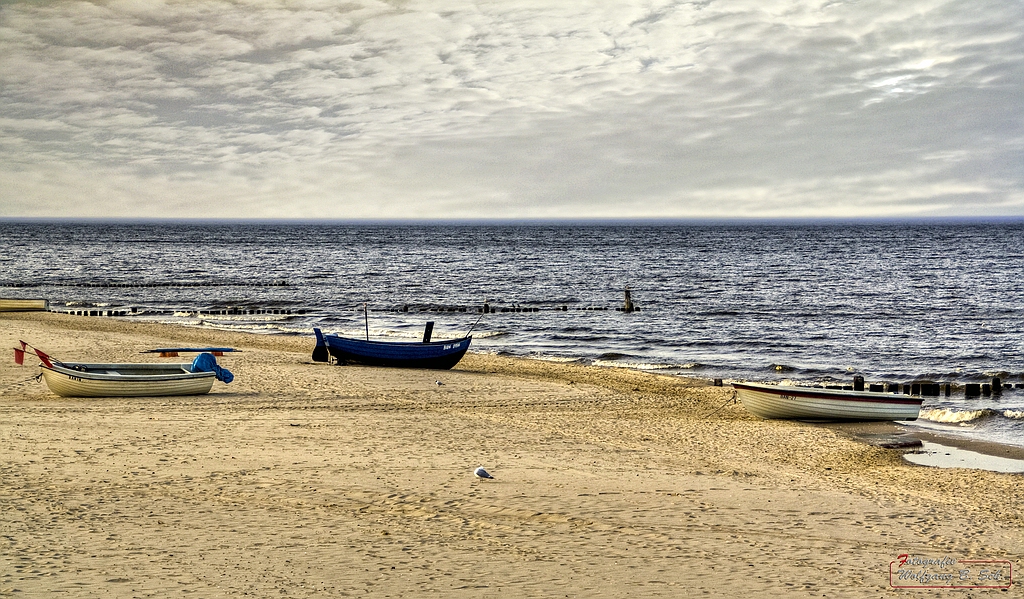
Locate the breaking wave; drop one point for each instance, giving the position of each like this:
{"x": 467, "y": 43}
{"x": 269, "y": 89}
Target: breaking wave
{"x": 633, "y": 365}
{"x": 952, "y": 416}
{"x": 559, "y": 359}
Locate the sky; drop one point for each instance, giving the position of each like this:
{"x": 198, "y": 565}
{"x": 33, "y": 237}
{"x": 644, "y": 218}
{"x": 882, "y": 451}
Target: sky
{"x": 512, "y": 109}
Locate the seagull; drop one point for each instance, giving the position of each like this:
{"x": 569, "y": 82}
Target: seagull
{"x": 481, "y": 473}
{"x": 438, "y": 383}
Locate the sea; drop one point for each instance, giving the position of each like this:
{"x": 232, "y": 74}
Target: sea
{"x": 802, "y": 302}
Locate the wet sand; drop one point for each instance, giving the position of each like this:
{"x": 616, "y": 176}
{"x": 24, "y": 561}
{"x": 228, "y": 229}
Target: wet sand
{"x": 304, "y": 479}
{"x": 871, "y": 432}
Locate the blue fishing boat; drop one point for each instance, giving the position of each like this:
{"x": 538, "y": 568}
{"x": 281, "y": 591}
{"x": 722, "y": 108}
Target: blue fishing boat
{"x": 436, "y": 355}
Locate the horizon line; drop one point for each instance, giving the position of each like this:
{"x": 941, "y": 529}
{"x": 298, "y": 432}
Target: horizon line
{"x": 520, "y": 221}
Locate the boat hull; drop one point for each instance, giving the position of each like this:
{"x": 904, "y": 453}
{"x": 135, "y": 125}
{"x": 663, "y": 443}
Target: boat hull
{"x": 23, "y": 305}
{"x": 126, "y": 380}
{"x": 787, "y": 402}
{"x": 435, "y": 355}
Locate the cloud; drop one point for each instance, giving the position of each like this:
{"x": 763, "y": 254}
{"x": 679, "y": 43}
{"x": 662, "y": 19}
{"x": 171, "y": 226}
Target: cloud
{"x": 511, "y": 109}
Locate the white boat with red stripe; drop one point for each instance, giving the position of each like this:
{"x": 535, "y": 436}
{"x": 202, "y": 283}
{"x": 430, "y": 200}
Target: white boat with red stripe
{"x": 813, "y": 403}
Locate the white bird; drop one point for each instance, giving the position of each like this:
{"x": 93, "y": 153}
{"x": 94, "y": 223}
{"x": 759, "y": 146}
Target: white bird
{"x": 438, "y": 383}
{"x": 481, "y": 473}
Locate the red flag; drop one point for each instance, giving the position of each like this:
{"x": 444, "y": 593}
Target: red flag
{"x": 45, "y": 358}
{"x": 19, "y": 357}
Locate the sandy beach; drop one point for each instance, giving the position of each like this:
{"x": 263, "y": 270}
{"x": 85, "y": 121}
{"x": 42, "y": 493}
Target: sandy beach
{"x": 310, "y": 480}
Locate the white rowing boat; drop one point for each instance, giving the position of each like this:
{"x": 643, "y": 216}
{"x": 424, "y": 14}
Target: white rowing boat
{"x": 125, "y": 380}
{"x": 784, "y": 401}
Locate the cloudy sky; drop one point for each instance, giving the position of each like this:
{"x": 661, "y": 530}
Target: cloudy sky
{"x": 512, "y": 109}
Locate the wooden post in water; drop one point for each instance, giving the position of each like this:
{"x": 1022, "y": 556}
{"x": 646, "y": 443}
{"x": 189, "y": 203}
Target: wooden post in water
{"x": 997, "y": 386}
{"x": 628, "y": 305}
{"x": 428, "y": 331}
{"x": 972, "y": 390}
{"x": 858, "y": 383}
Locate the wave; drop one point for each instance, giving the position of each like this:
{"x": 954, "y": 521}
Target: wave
{"x": 488, "y": 334}
{"x": 609, "y": 356}
{"x": 954, "y": 416}
{"x": 1014, "y": 414}
{"x": 634, "y": 365}
{"x": 580, "y": 338}
{"x": 203, "y": 318}
{"x": 244, "y": 327}
{"x": 559, "y": 359}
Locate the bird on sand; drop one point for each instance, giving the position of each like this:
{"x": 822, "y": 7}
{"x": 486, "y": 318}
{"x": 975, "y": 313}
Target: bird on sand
{"x": 438, "y": 383}
{"x": 481, "y": 473}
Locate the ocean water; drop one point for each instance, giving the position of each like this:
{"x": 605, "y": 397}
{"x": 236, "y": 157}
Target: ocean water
{"x": 808, "y": 303}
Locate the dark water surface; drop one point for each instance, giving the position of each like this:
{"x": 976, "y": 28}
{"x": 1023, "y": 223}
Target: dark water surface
{"x": 803, "y": 302}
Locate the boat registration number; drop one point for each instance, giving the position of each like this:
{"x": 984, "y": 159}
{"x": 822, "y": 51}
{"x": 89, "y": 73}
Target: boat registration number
{"x": 452, "y": 345}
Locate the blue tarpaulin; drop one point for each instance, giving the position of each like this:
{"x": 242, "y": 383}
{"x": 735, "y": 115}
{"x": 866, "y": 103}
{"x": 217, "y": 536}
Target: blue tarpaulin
{"x": 205, "y": 362}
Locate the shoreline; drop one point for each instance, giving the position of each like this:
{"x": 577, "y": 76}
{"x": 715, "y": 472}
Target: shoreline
{"x": 860, "y": 432}
{"x": 253, "y": 319}
{"x": 606, "y": 481}
{"x": 555, "y": 370}
{"x": 481, "y": 362}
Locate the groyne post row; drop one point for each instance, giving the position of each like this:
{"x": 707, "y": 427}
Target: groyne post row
{"x": 930, "y": 389}
{"x": 627, "y": 306}
{"x": 485, "y": 309}
{"x": 198, "y": 313}
{"x": 145, "y": 285}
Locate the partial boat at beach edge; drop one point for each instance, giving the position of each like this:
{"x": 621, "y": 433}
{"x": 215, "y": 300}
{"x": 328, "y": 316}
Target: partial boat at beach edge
{"x": 10, "y": 304}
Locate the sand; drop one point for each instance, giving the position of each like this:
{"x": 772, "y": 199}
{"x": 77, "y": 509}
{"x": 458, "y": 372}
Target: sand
{"x": 310, "y": 480}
